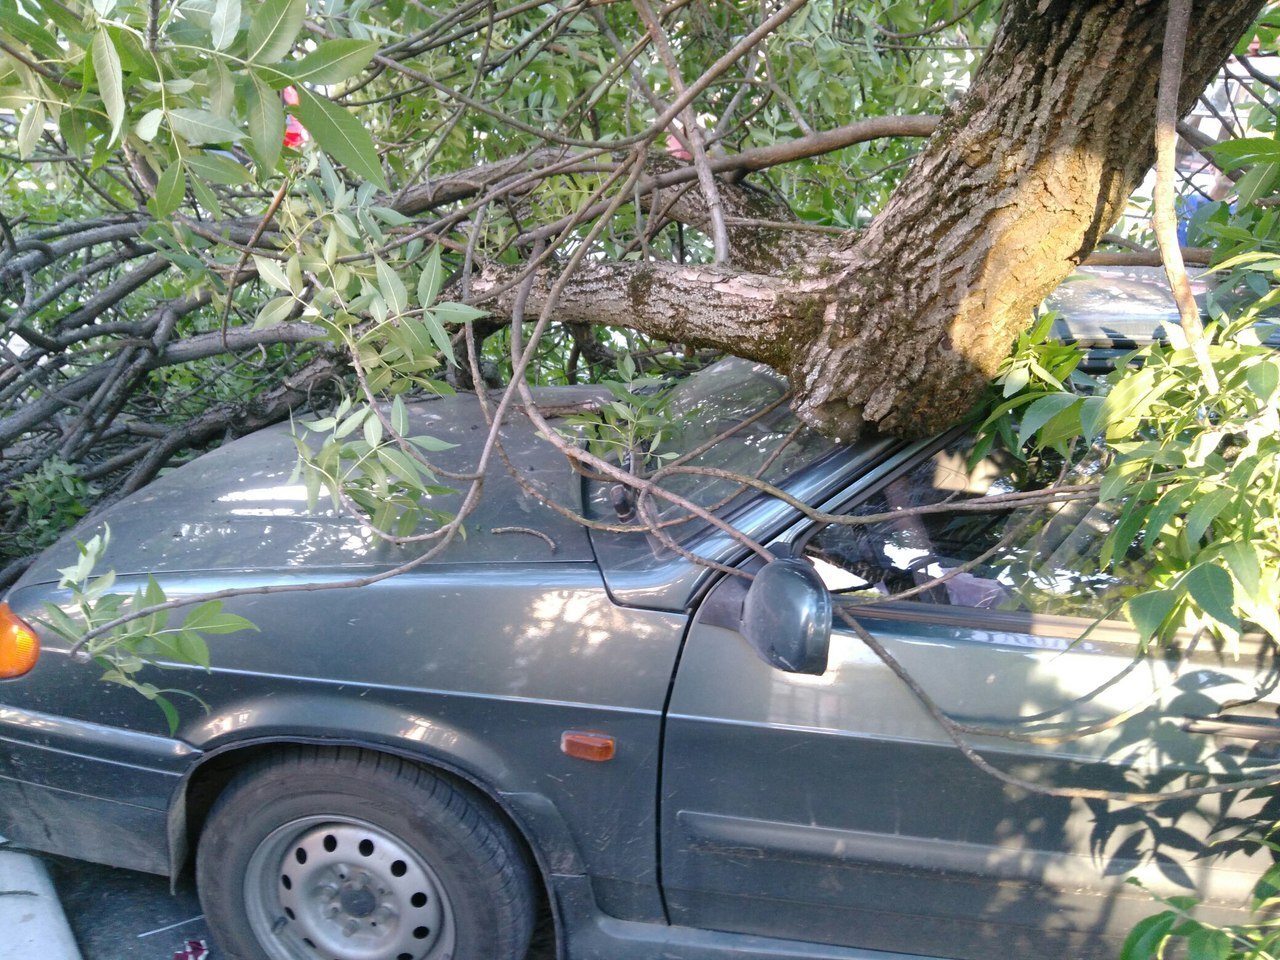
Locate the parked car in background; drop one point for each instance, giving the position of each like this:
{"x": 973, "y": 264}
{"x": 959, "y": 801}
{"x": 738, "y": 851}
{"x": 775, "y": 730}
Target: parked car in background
{"x": 674, "y": 760}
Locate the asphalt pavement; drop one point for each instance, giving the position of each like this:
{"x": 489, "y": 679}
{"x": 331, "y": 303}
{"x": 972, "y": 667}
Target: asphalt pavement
{"x": 123, "y": 915}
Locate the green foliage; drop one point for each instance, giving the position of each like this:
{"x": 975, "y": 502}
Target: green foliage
{"x": 367, "y": 458}
{"x": 50, "y": 499}
{"x": 630, "y": 427}
{"x": 126, "y": 650}
{"x": 1177, "y": 932}
{"x": 177, "y": 125}
{"x": 1191, "y": 468}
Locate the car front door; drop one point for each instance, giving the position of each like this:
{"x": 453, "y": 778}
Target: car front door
{"x": 834, "y": 808}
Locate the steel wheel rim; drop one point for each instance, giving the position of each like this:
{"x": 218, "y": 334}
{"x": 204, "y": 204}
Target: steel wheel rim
{"x": 339, "y": 888}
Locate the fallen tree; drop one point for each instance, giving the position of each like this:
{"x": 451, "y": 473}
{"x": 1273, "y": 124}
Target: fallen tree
{"x": 178, "y": 268}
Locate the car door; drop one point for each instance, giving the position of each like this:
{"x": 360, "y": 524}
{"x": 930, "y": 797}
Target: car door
{"x": 833, "y": 808}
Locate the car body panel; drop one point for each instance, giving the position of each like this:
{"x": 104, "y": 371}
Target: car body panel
{"x": 481, "y": 667}
{"x": 828, "y": 802}
{"x": 898, "y": 816}
{"x": 242, "y": 507}
{"x": 746, "y": 813}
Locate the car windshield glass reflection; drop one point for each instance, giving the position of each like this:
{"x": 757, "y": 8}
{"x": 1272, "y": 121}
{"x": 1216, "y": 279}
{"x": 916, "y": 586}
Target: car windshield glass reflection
{"x": 769, "y": 444}
{"x": 1039, "y": 559}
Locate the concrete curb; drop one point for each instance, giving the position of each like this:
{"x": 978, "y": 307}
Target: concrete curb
{"x": 31, "y": 916}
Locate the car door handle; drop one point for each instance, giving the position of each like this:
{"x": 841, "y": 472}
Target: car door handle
{"x": 1235, "y": 727}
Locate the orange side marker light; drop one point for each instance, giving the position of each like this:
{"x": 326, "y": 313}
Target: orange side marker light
{"x": 19, "y": 645}
{"x": 587, "y": 746}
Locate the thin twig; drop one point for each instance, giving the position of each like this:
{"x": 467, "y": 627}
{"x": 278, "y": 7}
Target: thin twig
{"x": 1164, "y": 218}
{"x": 233, "y": 280}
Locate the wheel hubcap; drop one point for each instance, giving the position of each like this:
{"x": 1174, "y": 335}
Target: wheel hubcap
{"x": 326, "y": 889}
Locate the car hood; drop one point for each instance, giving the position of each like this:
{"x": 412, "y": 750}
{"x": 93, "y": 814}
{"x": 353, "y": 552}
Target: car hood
{"x": 239, "y": 507}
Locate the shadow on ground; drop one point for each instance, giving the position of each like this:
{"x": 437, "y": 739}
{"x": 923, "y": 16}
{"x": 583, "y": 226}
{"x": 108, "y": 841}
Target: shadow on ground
{"x": 123, "y": 915}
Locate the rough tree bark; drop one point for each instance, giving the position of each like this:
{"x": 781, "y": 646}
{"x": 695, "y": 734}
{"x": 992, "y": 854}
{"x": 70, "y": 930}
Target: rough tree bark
{"x": 901, "y": 326}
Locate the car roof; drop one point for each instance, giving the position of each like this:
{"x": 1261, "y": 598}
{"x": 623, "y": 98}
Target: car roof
{"x": 1111, "y": 310}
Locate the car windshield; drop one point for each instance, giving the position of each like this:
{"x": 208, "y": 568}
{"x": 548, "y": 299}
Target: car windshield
{"x": 769, "y": 443}
{"x": 1045, "y": 559}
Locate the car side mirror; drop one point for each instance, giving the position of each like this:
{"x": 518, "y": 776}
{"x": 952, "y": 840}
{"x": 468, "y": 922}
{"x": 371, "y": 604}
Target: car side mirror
{"x": 786, "y": 616}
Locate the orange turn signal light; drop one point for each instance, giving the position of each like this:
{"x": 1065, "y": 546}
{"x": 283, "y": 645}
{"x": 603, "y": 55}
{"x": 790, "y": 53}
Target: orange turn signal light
{"x": 587, "y": 746}
{"x": 19, "y": 645}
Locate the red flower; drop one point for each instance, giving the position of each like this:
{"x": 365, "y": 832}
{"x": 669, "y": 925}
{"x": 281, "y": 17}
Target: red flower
{"x": 295, "y": 134}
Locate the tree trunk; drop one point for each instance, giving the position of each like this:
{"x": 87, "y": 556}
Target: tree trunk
{"x": 1014, "y": 189}
{"x": 902, "y": 326}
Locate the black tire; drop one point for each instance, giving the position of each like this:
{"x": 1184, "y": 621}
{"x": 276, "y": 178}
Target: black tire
{"x": 338, "y": 854}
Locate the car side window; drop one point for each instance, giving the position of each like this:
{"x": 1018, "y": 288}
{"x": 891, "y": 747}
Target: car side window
{"x": 1037, "y": 559}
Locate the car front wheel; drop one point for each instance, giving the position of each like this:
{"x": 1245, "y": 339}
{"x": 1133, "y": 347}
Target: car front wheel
{"x": 350, "y": 855}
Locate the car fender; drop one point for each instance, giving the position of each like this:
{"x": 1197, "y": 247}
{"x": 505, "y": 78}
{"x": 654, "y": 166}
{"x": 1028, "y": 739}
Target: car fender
{"x": 245, "y": 729}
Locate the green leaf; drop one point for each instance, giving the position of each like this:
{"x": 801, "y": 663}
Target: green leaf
{"x": 170, "y": 190}
{"x": 1041, "y": 412}
{"x": 431, "y": 279}
{"x": 1245, "y": 150}
{"x": 266, "y": 123}
{"x": 222, "y": 88}
{"x": 1015, "y": 380}
{"x": 1204, "y": 510}
{"x": 1167, "y": 508}
{"x": 41, "y": 42}
{"x": 1243, "y": 561}
{"x": 1147, "y": 936}
{"x": 341, "y": 135}
{"x": 74, "y": 131}
{"x": 169, "y": 710}
{"x": 1258, "y": 182}
{"x": 1122, "y": 535}
{"x": 1120, "y": 478}
{"x": 431, "y": 444}
{"x": 439, "y": 336}
{"x": 202, "y": 126}
{"x": 62, "y": 624}
{"x": 192, "y": 648}
{"x": 273, "y": 312}
{"x": 106, "y": 67}
{"x": 400, "y": 464}
{"x": 399, "y": 416}
{"x": 206, "y": 197}
{"x": 147, "y": 128}
{"x": 1211, "y": 588}
{"x": 272, "y": 272}
{"x": 372, "y": 430}
{"x": 218, "y": 169}
{"x": 1091, "y": 412}
{"x": 1266, "y": 889}
{"x": 1148, "y": 611}
{"x": 273, "y": 29}
{"x": 458, "y": 312}
{"x": 225, "y": 23}
{"x": 209, "y": 618}
{"x": 391, "y": 287}
{"x": 30, "y": 128}
{"x": 414, "y": 338}
{"x": 1264, "y": 378}
{"x": 331, "y": 62}
{"x": 1128, "y": 398}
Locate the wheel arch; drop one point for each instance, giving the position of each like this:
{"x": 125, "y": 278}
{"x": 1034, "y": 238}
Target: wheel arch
{"x": 530, "y": 818}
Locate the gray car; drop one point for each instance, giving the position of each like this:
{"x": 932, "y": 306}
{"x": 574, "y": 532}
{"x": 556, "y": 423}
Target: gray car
{"x": 667, "y": 758}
